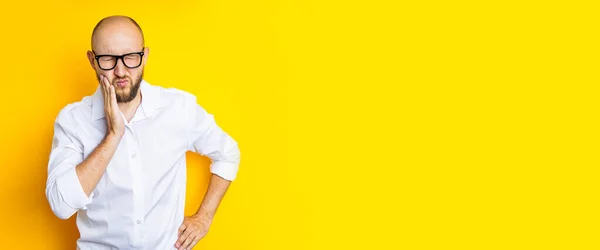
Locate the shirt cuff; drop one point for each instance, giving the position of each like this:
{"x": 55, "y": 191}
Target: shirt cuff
{"x": 226, "y": 170}
{"x": 71, "y": 190}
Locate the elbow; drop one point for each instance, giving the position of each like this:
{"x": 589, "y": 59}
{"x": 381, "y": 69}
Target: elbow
{"x": 225, "y": 169}
{"x": 62, "y": 213}
{"x": 233, "y": 155}
{"x": 58, "y": 205}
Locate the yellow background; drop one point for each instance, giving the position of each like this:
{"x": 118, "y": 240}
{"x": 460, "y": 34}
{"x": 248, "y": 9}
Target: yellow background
{"x": 362, "y": 124}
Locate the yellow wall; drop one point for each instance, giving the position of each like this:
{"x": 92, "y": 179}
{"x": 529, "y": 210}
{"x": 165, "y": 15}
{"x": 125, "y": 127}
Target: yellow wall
{"x": 362, "y": 124}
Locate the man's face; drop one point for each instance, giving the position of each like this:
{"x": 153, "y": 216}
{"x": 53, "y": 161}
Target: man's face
{"x": 123, "y": 73}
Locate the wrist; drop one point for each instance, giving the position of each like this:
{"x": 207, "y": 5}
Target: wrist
{"x": 113, "y": 136}
{"x": 204, "y": 215}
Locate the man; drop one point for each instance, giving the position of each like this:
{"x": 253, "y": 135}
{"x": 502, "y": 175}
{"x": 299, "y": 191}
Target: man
{"x": 118, "y": 156}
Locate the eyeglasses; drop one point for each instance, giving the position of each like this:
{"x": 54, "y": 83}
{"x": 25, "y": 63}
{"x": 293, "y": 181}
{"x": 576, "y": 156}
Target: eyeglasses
{"x": 130, "y": 60}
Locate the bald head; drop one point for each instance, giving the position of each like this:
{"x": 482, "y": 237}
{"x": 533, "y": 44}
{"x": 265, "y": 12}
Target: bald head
{"x": 114, "y": 26}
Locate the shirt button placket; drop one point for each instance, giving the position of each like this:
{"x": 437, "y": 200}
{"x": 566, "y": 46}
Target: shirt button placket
{"x": 138, "y": 190}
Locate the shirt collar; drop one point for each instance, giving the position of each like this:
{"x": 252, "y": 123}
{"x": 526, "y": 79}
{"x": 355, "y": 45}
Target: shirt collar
{"x": 151, "y": 100}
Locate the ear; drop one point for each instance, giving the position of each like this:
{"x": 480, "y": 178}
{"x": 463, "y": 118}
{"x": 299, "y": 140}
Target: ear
{"x": 90, "y": 57}
{"x": 146, "y": 53}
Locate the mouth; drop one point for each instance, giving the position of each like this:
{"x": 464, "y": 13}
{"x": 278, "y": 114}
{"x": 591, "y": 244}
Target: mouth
{"x": 121, "y": 83}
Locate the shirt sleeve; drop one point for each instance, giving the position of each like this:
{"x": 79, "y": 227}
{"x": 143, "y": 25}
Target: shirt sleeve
{"x": 63, "y": 189}
{"x": 207, "y": 138}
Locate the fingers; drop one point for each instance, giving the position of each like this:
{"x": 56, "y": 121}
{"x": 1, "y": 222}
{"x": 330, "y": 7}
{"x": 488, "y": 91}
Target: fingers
{"x": 187, "y": 244}
{"x": 196, "y": 240}
{"x": 105, "y": 80}
{"x": 181, "y": 228}
{"x": 113, "y": 96}
{"x": 107, "y": 86}
{"x": 183, "y": 238}
{"x": 109, "y": 93}
{"x": 103, "y": 88}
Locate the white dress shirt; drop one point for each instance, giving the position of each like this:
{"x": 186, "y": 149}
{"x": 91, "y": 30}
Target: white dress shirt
{"x": 139, "y": 201}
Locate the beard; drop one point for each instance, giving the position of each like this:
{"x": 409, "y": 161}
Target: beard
{"x": 134, "y": 85}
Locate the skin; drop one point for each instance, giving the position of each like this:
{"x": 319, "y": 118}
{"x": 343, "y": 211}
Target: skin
{"x": 117, "y": 35}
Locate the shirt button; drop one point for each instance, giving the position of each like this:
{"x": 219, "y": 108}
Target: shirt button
{"x": 133, "y": 155}
{"x": 138, "y": 222}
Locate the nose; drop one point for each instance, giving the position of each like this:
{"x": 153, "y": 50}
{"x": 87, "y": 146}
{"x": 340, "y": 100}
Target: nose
{"x": 120, "y": 69}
